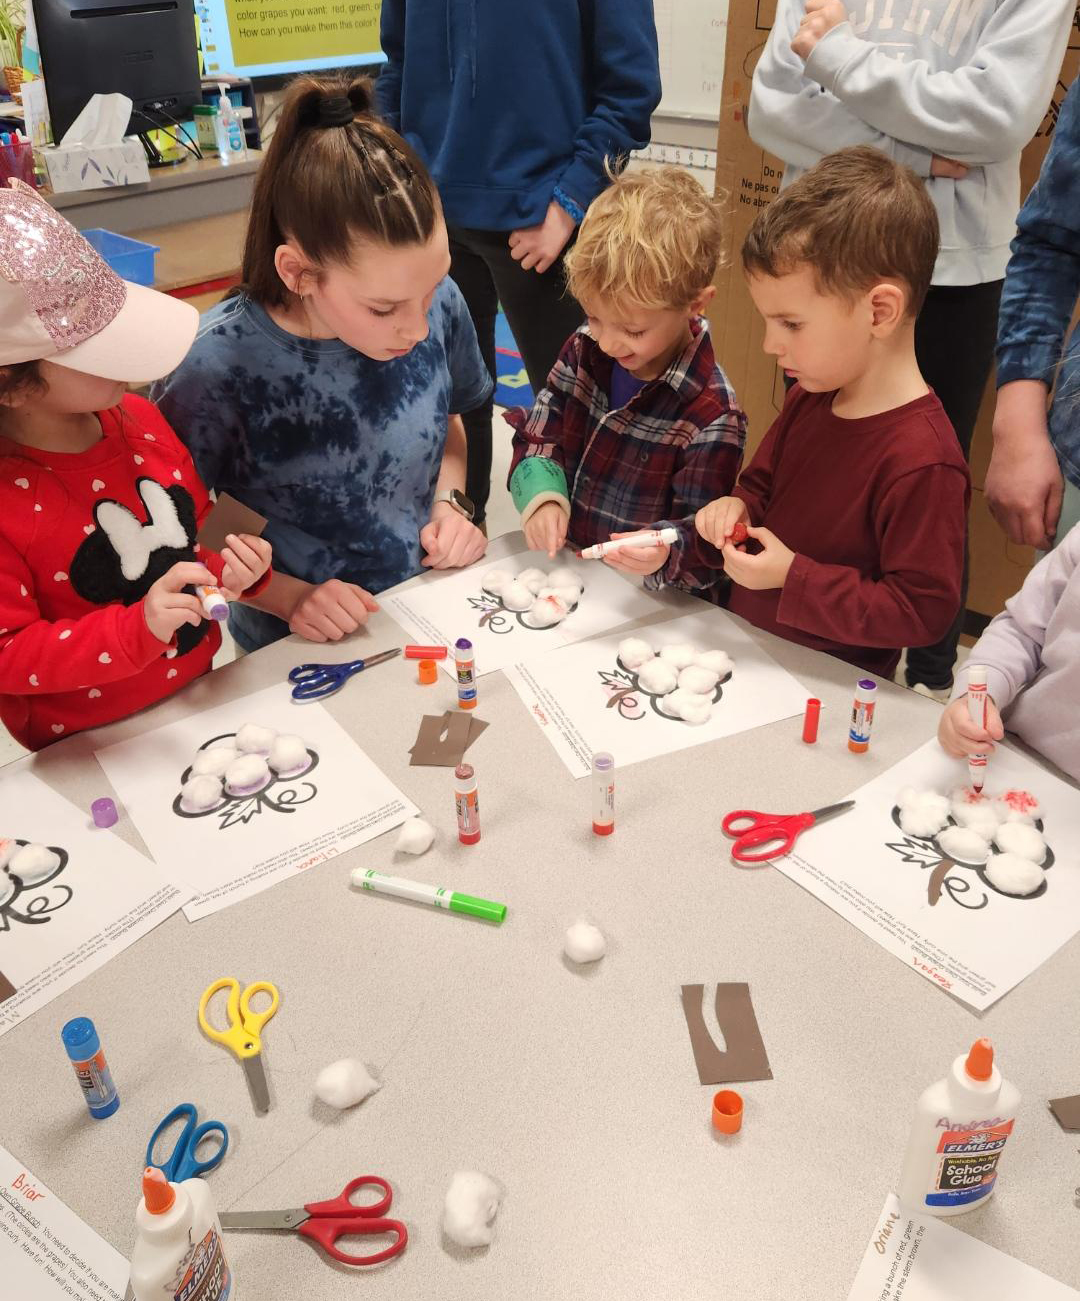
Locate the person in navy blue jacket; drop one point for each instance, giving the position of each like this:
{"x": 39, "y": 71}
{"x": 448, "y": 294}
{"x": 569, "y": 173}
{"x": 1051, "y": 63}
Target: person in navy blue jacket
{"x": 515, "y": 105}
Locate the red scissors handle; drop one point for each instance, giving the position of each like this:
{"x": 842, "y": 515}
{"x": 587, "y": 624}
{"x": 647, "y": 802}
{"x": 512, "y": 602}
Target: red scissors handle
{"x": 770, "y": 836}
{"x": 340, "y": 1217}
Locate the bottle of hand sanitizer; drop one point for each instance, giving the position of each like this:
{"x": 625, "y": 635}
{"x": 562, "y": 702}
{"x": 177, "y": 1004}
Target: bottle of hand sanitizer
{"x": 178, "y": 1243}
{"x": 962, "y": 1124}
{"x": 234, "y": 145}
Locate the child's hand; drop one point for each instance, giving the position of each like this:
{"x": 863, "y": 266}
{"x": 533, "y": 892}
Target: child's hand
{"x": 768, "y": 569}
{"x": 716, "y": 521}
{"x": 821, "y": 17}
{"x": 450, "y": 540}
{"x": 959, "y": 736}
{"x": 546, "y": 529}
{"x": 331, "y": 611}
{"x": 637, "y": 560}
{"x": 537, "y": 247}
{"x": 246, "y": 559}
{"x": 167, "y": 607}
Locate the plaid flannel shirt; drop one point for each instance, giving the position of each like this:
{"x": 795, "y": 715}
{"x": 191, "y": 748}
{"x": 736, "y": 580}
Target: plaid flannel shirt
{"x": 675, "y": 446}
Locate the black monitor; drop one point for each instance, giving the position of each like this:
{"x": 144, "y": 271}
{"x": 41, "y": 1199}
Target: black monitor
{"x": 145, "y": 49}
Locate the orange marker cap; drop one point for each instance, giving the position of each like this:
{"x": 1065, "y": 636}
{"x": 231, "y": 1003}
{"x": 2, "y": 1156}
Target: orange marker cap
{"x": 427, "y": 673}
{"x": 727, "y": 1108}
{"x": 980, "y": 1061}
{"x": 158, "y": 1193}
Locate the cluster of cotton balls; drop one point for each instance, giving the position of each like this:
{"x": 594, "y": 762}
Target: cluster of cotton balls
{"x": 542, "y": 600}
{"x": 975, "y": 828}
{"x": 683, "y": 677}
{"x": 29, "y": 863}
{"x": 243, "y": 765}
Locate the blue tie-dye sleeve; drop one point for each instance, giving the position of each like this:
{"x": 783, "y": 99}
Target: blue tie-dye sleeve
{"x": 470, "y": 383}
{"x": 188, "y": 403}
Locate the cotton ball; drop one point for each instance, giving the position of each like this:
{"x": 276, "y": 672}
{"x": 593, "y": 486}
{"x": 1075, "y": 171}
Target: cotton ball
{"x": 472, "y": 1202}
{"x": 7, "y": 849}
{"x": 252, "y": 739}
{"x": 910, "y": 798}
{"x": 963, "y": 844}
{"x": 717, "y": 661}
{"x": 201, "y": 793}
{"x": 213, "y": 762}
{"x": 924, "y": 816}
{"x": 1021, "y": 840}
{"x": 534, "y": 579}
{"x": 564, "y": 576}
{"x": 584, "y": 943}
{"x": 344, "y": 1084}
{"x": 657, "y": 677}
{"x": 495, "y": 580}
{"x": 546, "y": 611}
{"x": 681, "y": 655}
{"x": 33, "y": 863}
{"x": 633, "y": 653}
{"x": 971, "y": 809}
{"x": 908, "y": 795}
{"x": 568, "y": 595}
{"x": 1014, "y": 875}
{"x": 516, "y": 596}
{"x": 246, "y": 775}
{"x": 687, "y": 705}
{"x": 289, "y": 756}
{"x": 1017, "y": 806}
{"x": 415, "y": 837}
{"x": 702, "y": 682}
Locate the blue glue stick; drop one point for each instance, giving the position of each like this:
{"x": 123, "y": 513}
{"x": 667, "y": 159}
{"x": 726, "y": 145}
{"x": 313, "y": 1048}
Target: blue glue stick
{"x": 91, "y": 1070}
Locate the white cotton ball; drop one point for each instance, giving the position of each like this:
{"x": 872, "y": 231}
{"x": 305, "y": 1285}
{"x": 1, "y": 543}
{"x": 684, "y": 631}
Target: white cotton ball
{"x": 1014, "y": 875}
{"x": 633, "y": 653}
{"x": 415, "y": 837}
{"x": 584, "y": 943}
{"x": 246, "y": 775}
{"x": 925, "y": 816}
{"x": 657, "y": 677}
{"x": 717, "y": 661}
{"x": 702, "y": 682}
{"x": 252, "y": 739}
{"x": 687, "y": 705}
{"x": 908, "y": 795}
{"x": 568, "y": 595}
{"x": 1022, "y": 840}
{"x": 495, "y": 580}
{"x": 1017, "y": 806}
{"x": 213, "y": 762}
{"x": 201, "y": 793}
{"x": 516, "y": 596}
{"x": 7, "y": 848}
{"x": 564, "y": 576}
{"x": 472, "y": 1202}
{"x": 33, "y": 863}
{"x": 911, "y": 798}
{"x": 963, "y": 844}
{"x": 532, "y": 578}
{"x": 975, "y": 810}
{"x": 681, "y": 654}
{"x": 344, "y": 1084}
{"x": 7, "y": 888}
{"x": 546, "y": 611}
{"x": 289, "y": 756}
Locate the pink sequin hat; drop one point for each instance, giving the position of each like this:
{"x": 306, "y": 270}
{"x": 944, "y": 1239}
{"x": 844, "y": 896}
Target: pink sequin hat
{"x": 60, "y": 302}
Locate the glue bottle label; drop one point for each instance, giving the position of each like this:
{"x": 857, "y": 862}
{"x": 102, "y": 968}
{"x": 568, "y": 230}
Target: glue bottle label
{"x": 967, "y": 1164}
{"x": 862, "y": 720}
{"x": 207, "y": 1276}
{"x": 95, "y": 1080}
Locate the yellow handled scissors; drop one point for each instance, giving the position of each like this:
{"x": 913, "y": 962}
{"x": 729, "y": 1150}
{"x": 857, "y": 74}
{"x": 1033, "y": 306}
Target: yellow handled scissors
{"x": 243, "y": 1037}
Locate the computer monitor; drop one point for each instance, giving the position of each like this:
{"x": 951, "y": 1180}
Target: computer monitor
{"x": 271, "y": 39}
{"x": 145, "y": 49}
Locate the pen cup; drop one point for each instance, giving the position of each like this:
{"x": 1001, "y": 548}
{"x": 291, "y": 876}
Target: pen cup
{"x": 17, "y": 159}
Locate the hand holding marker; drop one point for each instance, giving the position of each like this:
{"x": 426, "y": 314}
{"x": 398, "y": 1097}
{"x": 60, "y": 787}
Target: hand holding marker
{"x": 646, "y": 538}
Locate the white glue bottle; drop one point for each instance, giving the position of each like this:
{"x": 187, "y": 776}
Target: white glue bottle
{"x": 962, "y": 1124}
{"x": 178, "y": 1249}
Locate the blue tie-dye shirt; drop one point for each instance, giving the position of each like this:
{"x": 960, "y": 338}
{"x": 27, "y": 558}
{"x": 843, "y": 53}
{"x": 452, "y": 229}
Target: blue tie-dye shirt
{"x": 339, "y": 452}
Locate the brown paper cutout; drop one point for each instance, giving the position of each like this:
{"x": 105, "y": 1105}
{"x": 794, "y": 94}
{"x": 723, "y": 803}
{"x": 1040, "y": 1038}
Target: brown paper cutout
{"x": 227, "y": 515}
{"x": 1067, "y": 1111}
{"x": 6, "y": 987}
{"x": 443, "y": 739}
{"x": 745, "y": 1058}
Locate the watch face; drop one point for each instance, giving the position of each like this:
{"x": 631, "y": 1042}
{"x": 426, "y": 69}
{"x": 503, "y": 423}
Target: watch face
{"x": 463, "y": 503}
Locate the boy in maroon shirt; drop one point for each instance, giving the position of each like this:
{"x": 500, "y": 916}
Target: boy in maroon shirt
{"x": 856, "y": 500}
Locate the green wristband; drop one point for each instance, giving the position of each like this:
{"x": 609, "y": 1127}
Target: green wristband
{"x": 534, "y": 475}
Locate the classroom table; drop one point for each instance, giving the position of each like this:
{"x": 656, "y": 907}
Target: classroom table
{"x": 575, "y": 1088}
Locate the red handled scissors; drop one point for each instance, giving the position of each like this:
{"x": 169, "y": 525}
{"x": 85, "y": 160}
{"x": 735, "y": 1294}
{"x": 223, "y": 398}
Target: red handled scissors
{"x": 325, "y": 1222}
{"x": 772, "y": 835}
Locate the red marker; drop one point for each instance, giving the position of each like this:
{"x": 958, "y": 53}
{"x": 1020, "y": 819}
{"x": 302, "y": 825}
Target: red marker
{"x": 425, "y": 652}
{"x": 739, "y": 534}
{"x": 978, "y": 711}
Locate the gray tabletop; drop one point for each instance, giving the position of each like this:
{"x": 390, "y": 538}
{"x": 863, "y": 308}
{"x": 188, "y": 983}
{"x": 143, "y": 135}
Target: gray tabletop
{"x": 575, "y": 1088}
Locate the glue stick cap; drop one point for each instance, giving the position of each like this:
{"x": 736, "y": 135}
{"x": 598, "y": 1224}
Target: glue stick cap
{"x": 980, "y": 1061}
{"x": 80, "y": 1038}
{"x": 158, "y": 1193}
{"x": 727, "y": 1109}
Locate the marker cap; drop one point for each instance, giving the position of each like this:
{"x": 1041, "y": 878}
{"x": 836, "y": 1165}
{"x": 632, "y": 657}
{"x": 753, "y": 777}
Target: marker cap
{"x": 427, "y": 673}
{"x": 103, "y": 811}
{"x": 485, "y": 908}
{"x": 727, "y": 1109}
{"x": 810, "y": 720}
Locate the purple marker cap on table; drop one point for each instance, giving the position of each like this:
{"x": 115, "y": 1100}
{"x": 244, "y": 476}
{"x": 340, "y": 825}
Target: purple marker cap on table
{"x": 104, "y": 812}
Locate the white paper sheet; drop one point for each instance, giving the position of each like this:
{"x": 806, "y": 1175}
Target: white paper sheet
{"x": 974, "y": 941}
{"x": 585, "y": 701}
{"x": 439, "y": 610}
{"x": 102, "y": 898}
{"x": 920, "y": 1258}
{"x": 248, "y": 844}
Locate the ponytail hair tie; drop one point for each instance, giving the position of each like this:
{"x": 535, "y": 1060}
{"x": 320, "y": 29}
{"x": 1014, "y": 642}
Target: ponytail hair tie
{"x": 336, "y": 110}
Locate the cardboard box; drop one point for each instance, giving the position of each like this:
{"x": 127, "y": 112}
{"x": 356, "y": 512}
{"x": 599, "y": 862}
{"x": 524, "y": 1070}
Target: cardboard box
{"x": 749, "y": 178}
{"x": 96, "y": 167}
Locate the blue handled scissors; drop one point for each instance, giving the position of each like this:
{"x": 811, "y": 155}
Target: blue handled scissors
{"x": 314, "y": 681}
{"x": 183, "y": 1163}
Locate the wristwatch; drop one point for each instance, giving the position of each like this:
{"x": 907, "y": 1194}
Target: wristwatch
{"x": 462, "y": 504}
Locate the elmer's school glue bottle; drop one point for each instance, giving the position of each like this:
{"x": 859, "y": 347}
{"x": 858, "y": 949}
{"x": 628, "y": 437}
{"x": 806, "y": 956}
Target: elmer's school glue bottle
{"x": 178, "y": 1254}
{"x": 962, "y": 1124}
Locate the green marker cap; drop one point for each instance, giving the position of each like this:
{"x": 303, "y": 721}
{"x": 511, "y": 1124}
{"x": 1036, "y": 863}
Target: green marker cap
{"x": 490, "y": 912}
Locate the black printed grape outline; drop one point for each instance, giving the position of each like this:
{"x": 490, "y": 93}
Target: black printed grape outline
{"x": 493, "y": 610}
{"x": 236, "y": 810}
{"x": 33, "y": 915}
{"x": 623, "y": 696}
{"x": 942, "y": 865}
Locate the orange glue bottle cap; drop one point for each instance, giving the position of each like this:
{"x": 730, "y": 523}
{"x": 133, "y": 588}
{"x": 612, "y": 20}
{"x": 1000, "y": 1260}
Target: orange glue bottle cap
{"x": 727, "y": 1109}
{"x": 980, "y": 1061}
{"x": 158, "y": 1193}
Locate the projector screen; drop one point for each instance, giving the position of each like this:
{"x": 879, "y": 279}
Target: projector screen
{"x": 269, "y": 38}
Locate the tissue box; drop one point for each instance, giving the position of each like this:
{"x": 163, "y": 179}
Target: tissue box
{"x": 96, "y": 167}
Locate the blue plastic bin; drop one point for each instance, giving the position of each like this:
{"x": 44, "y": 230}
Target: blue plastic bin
{"x": 131, "y": 259}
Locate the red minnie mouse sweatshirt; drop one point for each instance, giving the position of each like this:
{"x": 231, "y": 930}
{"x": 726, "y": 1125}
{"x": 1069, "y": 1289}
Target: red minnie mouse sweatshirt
{"x": 83, "y": 537}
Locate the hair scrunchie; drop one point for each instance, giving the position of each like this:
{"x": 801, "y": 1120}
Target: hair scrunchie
{"x": 336, "y": 110}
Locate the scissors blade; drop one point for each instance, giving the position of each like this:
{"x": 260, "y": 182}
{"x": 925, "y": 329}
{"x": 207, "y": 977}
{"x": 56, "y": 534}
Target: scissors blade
{"x": 255, "y": 1072}
{"x": 264, "y": 1219}
{"x": 381, "y": 657}
{"x": 831, "y": 810}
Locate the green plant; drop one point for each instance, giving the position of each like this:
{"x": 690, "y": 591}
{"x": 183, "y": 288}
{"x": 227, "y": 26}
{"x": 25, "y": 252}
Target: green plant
{"x": 11, "y": 25}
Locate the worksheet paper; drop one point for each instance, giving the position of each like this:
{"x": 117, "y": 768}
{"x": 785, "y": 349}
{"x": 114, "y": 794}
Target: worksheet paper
{"x": 46, "y": 1251}
{"x": 248, "y": 843}
{"x": 438, "y": 610}
{"x": 100, "y": 897}
{"x": 921, "y": 1258}
{"x": 584, "y": 701}
{"x": 941, "y": 918}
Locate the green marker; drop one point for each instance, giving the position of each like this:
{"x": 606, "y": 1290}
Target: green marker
{"x": 436, "y": 895}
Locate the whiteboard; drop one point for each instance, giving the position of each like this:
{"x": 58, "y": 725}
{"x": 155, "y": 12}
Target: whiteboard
{"x": 692, "y": 35}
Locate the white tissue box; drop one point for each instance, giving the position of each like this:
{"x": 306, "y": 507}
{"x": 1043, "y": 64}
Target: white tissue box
{"x": 96, "y": 167}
